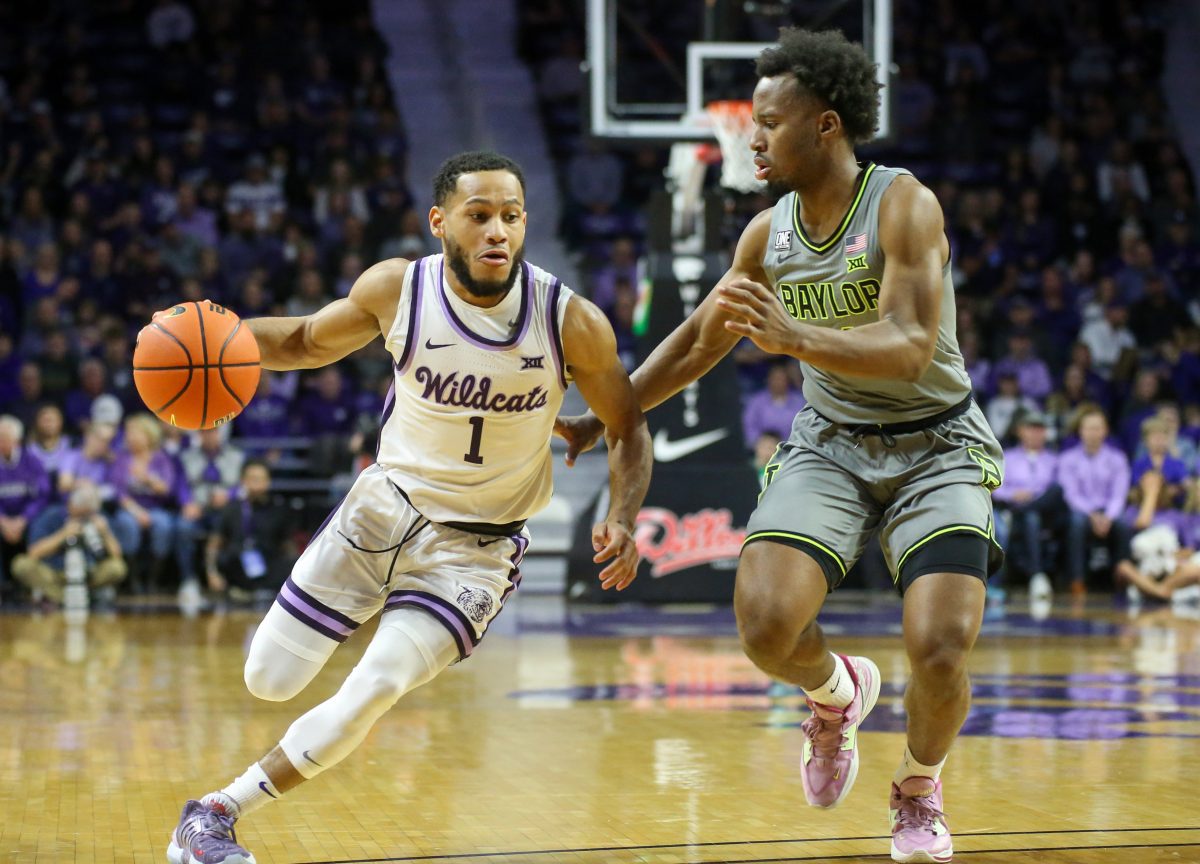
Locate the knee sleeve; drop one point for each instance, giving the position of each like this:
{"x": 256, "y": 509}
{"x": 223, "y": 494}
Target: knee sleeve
{"x": 284, "y": 656}
{"x": 409, "y": 649}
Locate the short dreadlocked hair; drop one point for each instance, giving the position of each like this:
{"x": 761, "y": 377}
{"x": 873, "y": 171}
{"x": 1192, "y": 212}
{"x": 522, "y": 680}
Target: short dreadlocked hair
{"x": 833, "y": 69}
{"x": 470, "y": 162}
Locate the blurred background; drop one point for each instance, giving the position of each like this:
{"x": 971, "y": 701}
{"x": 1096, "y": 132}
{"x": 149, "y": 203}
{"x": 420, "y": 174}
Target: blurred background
{"x": 262, "y": 154}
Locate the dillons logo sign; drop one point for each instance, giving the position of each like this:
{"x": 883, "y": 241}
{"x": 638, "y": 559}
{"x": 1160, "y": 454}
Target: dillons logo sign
{"x": 670, "y": 542}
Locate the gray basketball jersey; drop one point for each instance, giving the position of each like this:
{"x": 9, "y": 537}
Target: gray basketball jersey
{"x": 836, "y": 283}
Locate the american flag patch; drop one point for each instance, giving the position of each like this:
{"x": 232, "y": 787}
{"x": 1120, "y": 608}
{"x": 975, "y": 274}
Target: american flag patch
{"x": 856, "y": 244}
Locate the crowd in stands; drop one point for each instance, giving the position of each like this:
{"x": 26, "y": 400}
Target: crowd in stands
{"x": 1072, "y": 217}
{"x": 160, "y": 151}
{"x": 157, "y": 151}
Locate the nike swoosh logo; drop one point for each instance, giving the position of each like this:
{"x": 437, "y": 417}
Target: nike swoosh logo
{"x": 263, "y": 786}
{"x": 312, "y": 760}
{"x": 432, "y": 347}
{"x": 489, "y": 542}
{"x": 666, "y": 450}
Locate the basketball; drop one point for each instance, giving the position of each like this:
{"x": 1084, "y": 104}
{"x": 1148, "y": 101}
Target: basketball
{"x": 196, "y": 366}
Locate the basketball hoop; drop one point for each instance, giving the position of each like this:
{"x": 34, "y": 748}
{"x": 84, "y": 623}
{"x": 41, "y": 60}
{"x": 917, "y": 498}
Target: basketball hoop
{"x": 733, "y": 124}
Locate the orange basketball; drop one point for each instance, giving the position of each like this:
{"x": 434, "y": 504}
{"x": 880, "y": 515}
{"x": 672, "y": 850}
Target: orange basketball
{"x": 196, "y": 366}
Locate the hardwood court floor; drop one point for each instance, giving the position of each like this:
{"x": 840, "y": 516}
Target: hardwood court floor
{"x": 603, "y": 736}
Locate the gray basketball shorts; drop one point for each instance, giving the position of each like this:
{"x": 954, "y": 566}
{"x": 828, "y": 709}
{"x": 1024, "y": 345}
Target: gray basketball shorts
{"x": 927, "y": 493}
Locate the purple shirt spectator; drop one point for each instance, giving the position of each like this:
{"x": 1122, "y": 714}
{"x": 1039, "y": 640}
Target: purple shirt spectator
{"x": 1095, "y": 482}
{"x": 321, "y": 415}
{"x": 1027, "y": 470}
{"x": 765, "y": 413}
{"x": 99, "y": 470}
{"x": 24, "y": 485}
{"x": 162, "y": 466}
{"x": 266, "y": 416}
{"x": 1033, "y": 377}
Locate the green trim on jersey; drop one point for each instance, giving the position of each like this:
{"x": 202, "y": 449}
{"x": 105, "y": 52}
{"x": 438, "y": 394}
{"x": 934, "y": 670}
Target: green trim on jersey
{"x": 837, "y": 235}
{"x": 949, "y": 529}
{"x": 789, "y": 535}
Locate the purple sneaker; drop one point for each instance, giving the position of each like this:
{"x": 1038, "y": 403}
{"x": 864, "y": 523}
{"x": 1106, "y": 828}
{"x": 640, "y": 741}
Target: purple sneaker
{"x": 831, "y": 747}
{"x": 205, "y": 836}
{"x": 919, "y": 829}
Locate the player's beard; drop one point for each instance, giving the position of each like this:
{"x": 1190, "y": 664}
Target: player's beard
{"x": 456, "y": 256}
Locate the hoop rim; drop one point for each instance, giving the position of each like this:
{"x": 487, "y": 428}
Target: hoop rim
{"x": 729, "y": 107}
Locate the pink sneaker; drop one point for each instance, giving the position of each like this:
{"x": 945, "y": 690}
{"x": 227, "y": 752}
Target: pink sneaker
{"x": 919, "y": 830}
{"x": 831, "y": 748}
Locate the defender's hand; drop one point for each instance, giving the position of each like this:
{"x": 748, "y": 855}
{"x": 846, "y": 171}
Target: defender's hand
{"x": 612, "y": 540}
{"x": 757, "y": 313}
{"x": 581, "y": 434}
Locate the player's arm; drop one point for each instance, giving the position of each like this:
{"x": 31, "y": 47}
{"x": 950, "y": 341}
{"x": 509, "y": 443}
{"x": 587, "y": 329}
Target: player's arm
{"x": 699, "y": 343}
{"x": 334, "y": 331}
{"x": 694, "y": 347}
{"x": 590, "y": 350}
{"x": 900, "y": 344}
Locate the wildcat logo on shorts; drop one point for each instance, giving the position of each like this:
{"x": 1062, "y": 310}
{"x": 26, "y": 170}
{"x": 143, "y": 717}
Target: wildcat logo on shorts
{"x": 477, "y": 603}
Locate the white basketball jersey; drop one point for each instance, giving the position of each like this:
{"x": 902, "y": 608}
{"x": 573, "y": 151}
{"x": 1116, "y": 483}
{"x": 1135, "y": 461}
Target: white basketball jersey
{"x": 467, "y": 424}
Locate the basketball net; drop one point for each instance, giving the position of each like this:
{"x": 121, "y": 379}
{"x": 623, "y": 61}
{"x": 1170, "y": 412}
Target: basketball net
{"x": 733, "y": 124}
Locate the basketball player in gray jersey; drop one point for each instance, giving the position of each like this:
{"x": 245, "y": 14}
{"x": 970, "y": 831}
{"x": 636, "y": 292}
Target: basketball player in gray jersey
{"x": 850, "y": 273}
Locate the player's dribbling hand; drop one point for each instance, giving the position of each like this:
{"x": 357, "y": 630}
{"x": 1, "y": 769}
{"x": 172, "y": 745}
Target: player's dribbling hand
{"x": 581, "y": 434}
{"x": 613, "y": 540}
{"x": 756, "y": 312}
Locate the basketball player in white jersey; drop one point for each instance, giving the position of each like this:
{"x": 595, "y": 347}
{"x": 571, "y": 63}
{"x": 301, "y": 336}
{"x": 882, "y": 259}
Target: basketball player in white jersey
{"x": 432, "y": 534}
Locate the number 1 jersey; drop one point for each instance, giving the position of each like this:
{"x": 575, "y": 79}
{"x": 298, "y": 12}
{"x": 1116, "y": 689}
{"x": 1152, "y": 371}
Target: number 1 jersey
{"x": 467, "y": 423}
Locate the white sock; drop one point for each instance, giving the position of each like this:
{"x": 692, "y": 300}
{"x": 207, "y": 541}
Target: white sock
{"x": 245, "y": 794}
{"x": 838, "y": 691}
{"x": 910, "y": 767}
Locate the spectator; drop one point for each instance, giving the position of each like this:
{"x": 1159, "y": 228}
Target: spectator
{"x": 95, "y": 463}
{"x": 251, "y": 549}
{"x": 1159, "y": 488}
{"x": 169, "y": 22}
{"x": 1032, "y": 374}
{"x": 78, "y": 523}
{"x": 48, "y": 444}
{"x": 92, "y": 384}
{"x": 1030, "y": 497}
{"x": 1094, "y": 477}
{"x": 329, "y": 407}
{"x": 30, "y": 393}
{"x": 24, "y": 491}
{"x": 258, "y": 195}
{"x": 1157, "y": 314}
{"x": 765, "y": 447}
{"x": 192, "y": 220}
{"x": 153, "y": 489}
{"x": 1109, "y": 339}
{"x": 267, "y": 416}
{"x": 212, "y": 465}
{"x": 1007, "y": 403}
{"x": 772, "y": 408}
{"x": 1162, "y": 570}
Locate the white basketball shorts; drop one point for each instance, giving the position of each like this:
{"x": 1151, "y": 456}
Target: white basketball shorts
{"x": 376, "y": 552}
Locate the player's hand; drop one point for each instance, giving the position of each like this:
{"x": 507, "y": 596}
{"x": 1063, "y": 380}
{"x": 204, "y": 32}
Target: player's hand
{"x": 613, "y": 540}
{"x": 756, "y": 312}
{"x": 581, "y": 434}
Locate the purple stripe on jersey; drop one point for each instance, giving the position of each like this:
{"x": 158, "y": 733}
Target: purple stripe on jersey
{"x": 450, "y": 615}
{"x": 304, "y": 618}
{"x": 555, "y": 338}
{"x": 328, "y": 615}
{"x": 514, "y": 575}
{"x": 328, "y": 518}
{"x": 475, "y": 339}
{"x": 389, "y": 405}
{"x": 414, "y": 318}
